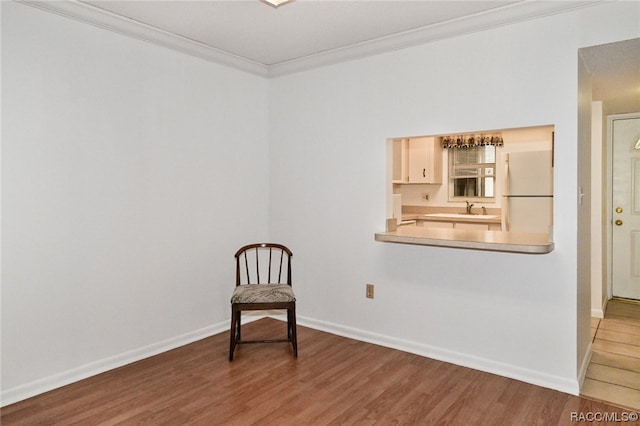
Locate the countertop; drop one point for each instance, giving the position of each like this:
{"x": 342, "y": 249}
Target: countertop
{"x": 463, "y": 218}
{"x": 470, "y": 239}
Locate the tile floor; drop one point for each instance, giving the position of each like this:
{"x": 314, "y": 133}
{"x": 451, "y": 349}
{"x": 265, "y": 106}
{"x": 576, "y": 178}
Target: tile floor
{"x": 614, "y": 371}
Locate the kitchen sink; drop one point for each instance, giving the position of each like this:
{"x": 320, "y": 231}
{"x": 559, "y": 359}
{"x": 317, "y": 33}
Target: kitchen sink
{"x": 463, "y": 216}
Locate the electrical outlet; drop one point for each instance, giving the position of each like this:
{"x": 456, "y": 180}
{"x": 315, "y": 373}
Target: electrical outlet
{"x": 369, "y": 291}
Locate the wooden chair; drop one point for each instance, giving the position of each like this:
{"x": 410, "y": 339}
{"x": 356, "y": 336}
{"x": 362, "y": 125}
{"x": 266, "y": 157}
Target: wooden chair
{"x": 263, "y": 282}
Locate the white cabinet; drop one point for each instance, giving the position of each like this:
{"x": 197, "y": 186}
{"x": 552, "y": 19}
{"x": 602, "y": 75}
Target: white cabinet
{"x": 401, "y": 161}
{"x": 434, "y": 224}
{"x": 466, "y": 225}
{"x": 495, "y": 227}
{"x": 425, "y": 160}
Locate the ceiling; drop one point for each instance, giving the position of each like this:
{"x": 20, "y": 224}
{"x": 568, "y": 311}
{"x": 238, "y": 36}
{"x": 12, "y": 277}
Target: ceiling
{"x": 615, "y": 72}
{"x": 256, "y": 31}
{"x": 255, "y": 37}
{"x": 303, "y": 34}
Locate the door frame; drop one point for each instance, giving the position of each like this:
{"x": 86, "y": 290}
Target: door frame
{"x": 609, "y": 196}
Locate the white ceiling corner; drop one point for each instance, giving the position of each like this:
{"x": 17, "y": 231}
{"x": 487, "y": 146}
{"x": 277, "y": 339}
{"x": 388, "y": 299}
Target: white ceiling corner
{"x": 113, "y": 22}
{"x": 254, "y": 37}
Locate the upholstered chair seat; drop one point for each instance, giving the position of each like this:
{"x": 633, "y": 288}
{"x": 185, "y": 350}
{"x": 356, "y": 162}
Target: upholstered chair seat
{"x": 263, "y": 293}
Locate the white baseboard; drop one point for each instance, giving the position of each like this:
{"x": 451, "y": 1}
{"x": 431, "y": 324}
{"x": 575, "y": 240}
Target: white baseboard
{"x": 582, "y": 373}
{"x": 599, "y": 312}
{"x": 562, "y": 384}
{"x": 28, "y": 390}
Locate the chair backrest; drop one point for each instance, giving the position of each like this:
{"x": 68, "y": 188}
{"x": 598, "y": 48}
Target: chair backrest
{"x": 263, "y": 263}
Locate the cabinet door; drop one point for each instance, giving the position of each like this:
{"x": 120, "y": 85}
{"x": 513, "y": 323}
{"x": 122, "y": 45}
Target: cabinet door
{"x": 435, "y": 224}
{"x": 478, "y": 226}
{"x": 401, "y": 161}
{"x": 425, "y": 161}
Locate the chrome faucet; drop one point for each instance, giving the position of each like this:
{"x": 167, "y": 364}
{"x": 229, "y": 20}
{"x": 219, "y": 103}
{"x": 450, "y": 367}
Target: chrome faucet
{"x": 469, "y": 207}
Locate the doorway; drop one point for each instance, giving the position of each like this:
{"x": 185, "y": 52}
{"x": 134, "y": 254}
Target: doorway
{"x": 624, "y": 190}
{"x": 608, "y": 82}
{"x": 612, "y": 90}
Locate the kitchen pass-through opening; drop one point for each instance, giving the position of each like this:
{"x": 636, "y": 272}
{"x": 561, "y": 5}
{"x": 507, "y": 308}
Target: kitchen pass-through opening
{"x": 490, "y": 180}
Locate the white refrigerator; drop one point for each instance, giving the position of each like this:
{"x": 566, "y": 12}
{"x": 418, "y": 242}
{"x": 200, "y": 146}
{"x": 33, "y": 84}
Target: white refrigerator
{"x": 528, "y": 192}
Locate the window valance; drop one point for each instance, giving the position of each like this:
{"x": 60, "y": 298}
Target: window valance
{"x": 471, "y": 141}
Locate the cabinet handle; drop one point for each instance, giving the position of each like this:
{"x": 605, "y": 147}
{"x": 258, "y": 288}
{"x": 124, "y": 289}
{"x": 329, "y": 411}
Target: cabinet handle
{"x": 618, "y": 222}
{"x": 424, "y": 172}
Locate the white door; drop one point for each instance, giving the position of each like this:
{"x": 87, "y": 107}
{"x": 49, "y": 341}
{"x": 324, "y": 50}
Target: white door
{"x": 626, "y": 206}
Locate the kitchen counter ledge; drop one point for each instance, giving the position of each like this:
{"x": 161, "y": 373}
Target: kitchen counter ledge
{"x": 470, "y": 239}
{"x": 463, "y": 218}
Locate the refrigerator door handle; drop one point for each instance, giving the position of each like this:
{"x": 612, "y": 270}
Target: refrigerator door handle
{"x": 505, "y": 199}
{"x": 506, "y": 176}
{"x": 505, "y": 214}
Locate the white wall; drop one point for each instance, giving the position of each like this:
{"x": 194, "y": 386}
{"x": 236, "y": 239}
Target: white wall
{"x": 598, "y": 283}
{"x": 130, "y": 175}
{"x": 508, "y": 313}
{"x": 583, "y": 300}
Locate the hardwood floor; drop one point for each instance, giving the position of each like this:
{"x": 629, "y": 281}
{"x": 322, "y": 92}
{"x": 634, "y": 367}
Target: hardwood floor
{"x": 335, "y": 380}
{"x": 614, "y": 371}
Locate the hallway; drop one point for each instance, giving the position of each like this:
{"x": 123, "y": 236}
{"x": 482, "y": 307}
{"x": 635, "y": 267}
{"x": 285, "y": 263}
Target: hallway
{"x": 614, "y": 371}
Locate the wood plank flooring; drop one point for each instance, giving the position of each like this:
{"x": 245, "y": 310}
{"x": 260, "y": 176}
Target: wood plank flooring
{"x": 335, "y": 380}
{"x": 614, "y": 371}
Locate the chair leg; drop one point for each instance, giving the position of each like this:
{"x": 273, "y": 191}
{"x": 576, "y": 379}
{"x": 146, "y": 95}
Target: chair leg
{"x": 234, "y": 332}
{"x": 294, "y": 334}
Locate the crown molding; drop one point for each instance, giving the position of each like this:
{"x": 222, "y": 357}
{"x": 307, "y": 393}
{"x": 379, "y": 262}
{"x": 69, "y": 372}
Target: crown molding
{"x": 509, "y": 14}
{"x": 92, "y": 15}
